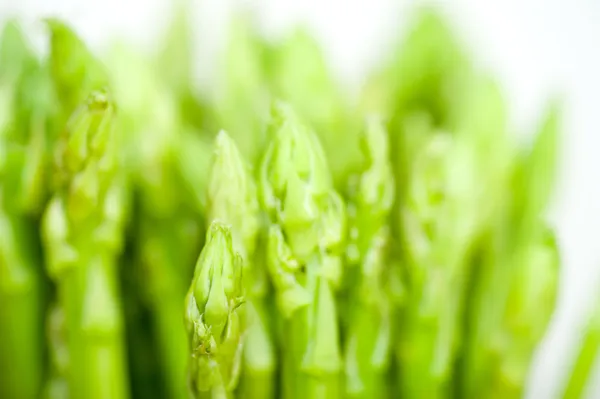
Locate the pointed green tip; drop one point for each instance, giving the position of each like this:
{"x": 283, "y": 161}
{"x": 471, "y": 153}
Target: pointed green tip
{"x": 74, "y": 69}
{"x": 217, "y": 285}
{"x": 294, "y": 150}
{"x": 212, "y": 313}
{"x": 219, "y": 236}
{"x": 55, "y": 25}
{"x": 14, "y": 49}
{"x": 231, "y": 194}
{"x": 89, "y": 130}
{"x": 228, "y": 161}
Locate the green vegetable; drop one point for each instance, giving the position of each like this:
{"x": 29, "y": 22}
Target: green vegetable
{"x": 83, "y": 235}
{"x": 75, "y": 71}
{"x": 167, "y": 228}
{"x": 213, "y": 316}
{"x": 393, "y": 245}
{"x": 515, "y": 292}
{"x": 300, "y": 75}
{"x": 305, "y": 241}
{"x": 368, "y": 335}
{"x": 22, "y": 190}
{"x": 232, "y": 199}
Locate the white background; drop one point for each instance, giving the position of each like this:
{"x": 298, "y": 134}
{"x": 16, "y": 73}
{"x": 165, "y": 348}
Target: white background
{"x": 536, "y": 48}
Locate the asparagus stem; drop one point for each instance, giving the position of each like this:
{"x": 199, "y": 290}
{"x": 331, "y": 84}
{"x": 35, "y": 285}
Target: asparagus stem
{"x": 517, "y": 287}
{"x": 257, "y": 379}
{"x": 166, "y": 246}
{"x": 172, "y": 342}
{"x": 370, "y": 200}
{"x": 20, "y": 315}
{"x": 82, "y": 236}
{"x": 305, "y": 239}
{"x": 232, "y": 199}
{"x": 23, "y": 110}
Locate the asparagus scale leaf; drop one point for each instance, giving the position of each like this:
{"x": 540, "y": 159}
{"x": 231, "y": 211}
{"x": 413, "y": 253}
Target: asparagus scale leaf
{"x": 213, "y": 315}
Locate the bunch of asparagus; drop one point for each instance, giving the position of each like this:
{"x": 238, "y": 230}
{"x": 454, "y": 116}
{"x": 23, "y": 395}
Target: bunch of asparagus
{"x": 394, "y": 246}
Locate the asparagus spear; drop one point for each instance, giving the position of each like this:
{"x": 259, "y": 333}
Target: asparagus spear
{"x": 213, "y": 317}
{"x": 23, "y": 107}
{"x": 82, "y": 232}
{"x": 162, "y": 156}
{"x": 305, "y": 241}
{"x": 75, "y": 71}
{"x": 368, "y": 338}
{"x": 418, "y": 90}
{"x": 516, "y": 290}
{"x": 232, "y": 199}
{"x": 452, "y": 193}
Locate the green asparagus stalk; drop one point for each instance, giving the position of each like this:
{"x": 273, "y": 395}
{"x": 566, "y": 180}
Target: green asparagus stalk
{"x": 516, "y": 289}
{"x": 305, "y": 240}
{"x": 368, "y": 336}
{"x": 21, "y": 311}
{"x": 452, "y": 193}
{"x": 426, "y": 93}
{"x": 428, "y": 340}
{"x": 23, "y": 104}
{"x": 419, "y": 90}
{"x": 167, "y": 228}
{"x": 82, "y": 235}
{"x": 167, "y": 238}
{"x": 214, "y": 316}
{"x": 232, "y": 199}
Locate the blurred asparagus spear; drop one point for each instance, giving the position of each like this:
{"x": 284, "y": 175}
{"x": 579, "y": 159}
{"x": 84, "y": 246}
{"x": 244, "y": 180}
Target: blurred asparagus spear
{"x": 299, "y": 74}
{"x": 174, "y": 64}
{"x": 166, "y": 164}
{"x": 242, "y": 96}
{"x": 515, "y": 292}
{"x": 232, "y": 199}
{"x": 24, "y": 105}
{"x": 214, "y": 318}
{"x": 75, "y": 71}
{"x": 305, "y": 240}
{"x": 75, "y": 74}
{"x": 427, "y": 72}
{"x": 418, "y": 90}
{"x": 83, "y": 233}
{"x": 368, "y": 336}
{"x": 453, "y": 192}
